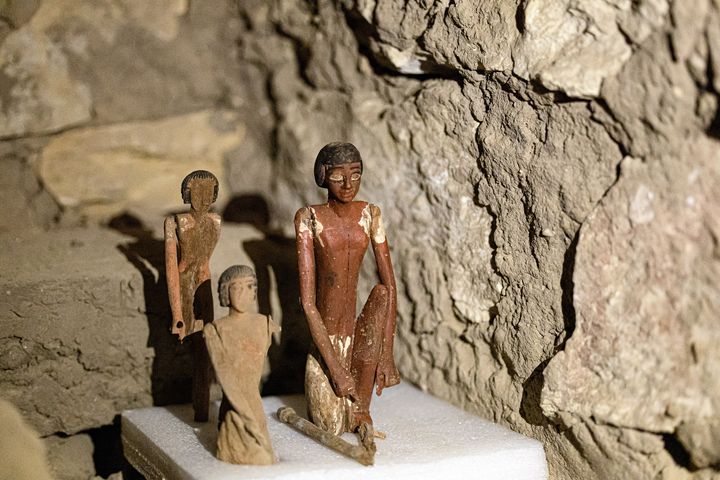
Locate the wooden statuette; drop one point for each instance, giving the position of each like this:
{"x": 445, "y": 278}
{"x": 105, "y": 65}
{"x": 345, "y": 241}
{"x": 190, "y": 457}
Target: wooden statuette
{"x": 238, "y": 344}
{"x": 190, "y": 239}
{"x": 352, "y": 354}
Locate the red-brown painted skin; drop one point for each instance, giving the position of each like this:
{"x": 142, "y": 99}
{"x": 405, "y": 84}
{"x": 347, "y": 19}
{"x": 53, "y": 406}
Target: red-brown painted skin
{"x": 190, "y": 239}
{"x": 329, "y": 262}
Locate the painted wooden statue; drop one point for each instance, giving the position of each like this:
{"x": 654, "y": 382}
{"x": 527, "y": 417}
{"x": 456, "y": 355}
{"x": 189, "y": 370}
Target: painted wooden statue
{"x": 190, "y": 239}
{"x": 238, "y": 344}
{"x": 353, "y": 354}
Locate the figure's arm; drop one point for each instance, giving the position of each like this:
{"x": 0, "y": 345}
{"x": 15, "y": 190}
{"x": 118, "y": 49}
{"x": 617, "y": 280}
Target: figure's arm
{"x": 172, "y": 275}
{"x": 344, "y": 384}
{"x": 387, "y": 374}
{"x": 274, "y": 329}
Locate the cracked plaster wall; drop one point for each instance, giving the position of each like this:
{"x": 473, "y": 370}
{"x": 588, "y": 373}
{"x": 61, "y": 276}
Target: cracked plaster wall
{"x": 549, "y": 172}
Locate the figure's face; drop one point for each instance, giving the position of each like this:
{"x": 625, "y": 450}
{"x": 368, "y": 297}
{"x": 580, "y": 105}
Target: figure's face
{"x": 243, "y": 293}
{"x": 202, "y": 191}
{"x": 343, "y": 181}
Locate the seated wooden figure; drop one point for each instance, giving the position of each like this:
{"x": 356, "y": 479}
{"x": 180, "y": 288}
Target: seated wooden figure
{"x": 353, "y": 354}
{"x": 238, "y": 344}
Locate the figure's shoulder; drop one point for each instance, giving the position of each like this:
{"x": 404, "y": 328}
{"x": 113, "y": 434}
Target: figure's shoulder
{"x": 303, "y": 219}
{"x": 211, "y": 328}
{"x": 302, "y": 213}
{"x": 184, "y": 219}
{"x": 376, "y": 224}
{"x": 216, "y": 218}
{"x": 170, "y": 222}
{"x": 257, "y": 317}
{"x": 220, "y": 325}
{"x": 273, "y": 325}
{"x": 319, "y": 208}
{"x": 374, "y": 210}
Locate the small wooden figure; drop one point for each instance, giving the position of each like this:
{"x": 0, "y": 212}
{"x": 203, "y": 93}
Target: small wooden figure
{"x": 190, "y": 239}
{"x": 352, "y": 353}
{"x": 238, "y": 344}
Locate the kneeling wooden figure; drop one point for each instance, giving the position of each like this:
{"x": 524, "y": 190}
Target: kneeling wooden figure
{"x": 237, "y": 345}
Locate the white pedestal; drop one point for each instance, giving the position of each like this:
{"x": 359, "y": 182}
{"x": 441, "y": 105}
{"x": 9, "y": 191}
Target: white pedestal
{"x": 427, "y": 438}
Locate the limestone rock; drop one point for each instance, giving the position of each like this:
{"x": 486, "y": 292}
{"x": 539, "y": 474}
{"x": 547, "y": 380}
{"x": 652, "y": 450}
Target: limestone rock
{"x": 39, "y": 93}
{"x": 26, "y": 204}
{"x": 653, "y": 99}
{"x": 138, "y": 167}
{"x": 75, "y": 62}
{"x": 485, "y": 182}
{"x": 71, "y": 458}
{"x": 77, "y": 332}
{"x": 565, "y": 45}
{"x": 647, "y": 303}
{"x": 22, "y": 453}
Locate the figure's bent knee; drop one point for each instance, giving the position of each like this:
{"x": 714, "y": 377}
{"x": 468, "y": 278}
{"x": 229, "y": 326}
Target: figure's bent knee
{"x": 380, "y": 291}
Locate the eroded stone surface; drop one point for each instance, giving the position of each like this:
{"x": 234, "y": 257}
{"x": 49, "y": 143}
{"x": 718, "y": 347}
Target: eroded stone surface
{"x": 645, "y": 287}
{"x": 70, "y": 458}
{"x": 138, "y": 167}
{"x": 485, "y": 184}
{"x": 39, "y": 94}
{"x": 79, "y": 341}
{"x": 564, "y": 45}
{"x": 484, "y": 177}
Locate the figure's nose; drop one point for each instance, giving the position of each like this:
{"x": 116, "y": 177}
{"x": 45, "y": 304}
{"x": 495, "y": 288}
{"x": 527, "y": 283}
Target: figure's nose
{"x": 346, "y": 182}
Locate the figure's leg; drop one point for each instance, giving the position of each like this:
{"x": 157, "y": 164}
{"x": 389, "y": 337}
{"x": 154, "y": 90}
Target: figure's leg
{"x": 202, "y": 367}
{"x": 366, "y": 349}
{"x": 203, "y": 310}
{"x": 325, "y": 409}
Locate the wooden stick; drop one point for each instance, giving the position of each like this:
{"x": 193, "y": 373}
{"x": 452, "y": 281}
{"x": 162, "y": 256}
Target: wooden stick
{"x": 363, "y": 453}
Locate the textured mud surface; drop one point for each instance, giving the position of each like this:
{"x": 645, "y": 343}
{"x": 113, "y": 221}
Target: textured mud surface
{"x": 548, "y": 172}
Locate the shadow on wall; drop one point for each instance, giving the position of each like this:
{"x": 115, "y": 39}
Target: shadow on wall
{"x": 272, "y": 256}
{"x": 171, "y": 376}
{"x": 275, "y": 255}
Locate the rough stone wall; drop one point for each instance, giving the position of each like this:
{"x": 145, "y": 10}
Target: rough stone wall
{"x": 549, "y": 176}
{"x": 549, "y": 172}
{"x": 104, "y": 107}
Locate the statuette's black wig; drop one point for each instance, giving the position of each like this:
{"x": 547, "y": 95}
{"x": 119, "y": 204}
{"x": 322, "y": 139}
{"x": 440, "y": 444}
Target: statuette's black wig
{"x": 230, "y": 274}
{"x": 197, "y": 175}
{"x": 336, "y": 153}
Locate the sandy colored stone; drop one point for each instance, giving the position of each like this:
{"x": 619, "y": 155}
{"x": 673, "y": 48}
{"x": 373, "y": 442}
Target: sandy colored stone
{"x": 75, "y": 341}
{"x": 22, "y": 453}
{"x": 70, "y": 458}
{"x": 564, "y": 45}
{"x": 646, "y": 299}
{"x": 26, "y": 204}
{"x": 138, "y": 167}
{"x": 78, "y": 62}
{"x": 485, "y": 180}
{"x": 39, "y": 94}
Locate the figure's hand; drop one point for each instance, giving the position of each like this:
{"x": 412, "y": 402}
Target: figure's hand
{"x": 345, "y": 386}
{"x": 386, "y": 375}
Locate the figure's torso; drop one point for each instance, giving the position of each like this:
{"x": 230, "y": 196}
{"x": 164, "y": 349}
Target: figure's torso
{"x": 197, "y": 238}
{"x": 340, "y": 244}
{"x": 248, "y": 338}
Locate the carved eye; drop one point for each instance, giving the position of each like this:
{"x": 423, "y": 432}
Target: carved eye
{"x": 355, "y": 177}
{"x": 335, "y": 177}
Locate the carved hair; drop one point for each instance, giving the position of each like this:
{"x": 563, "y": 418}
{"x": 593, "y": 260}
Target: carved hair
{"x": 197, "y": 175}
{"x": 336, "y": 153}
{"x": 227, "y": 277}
